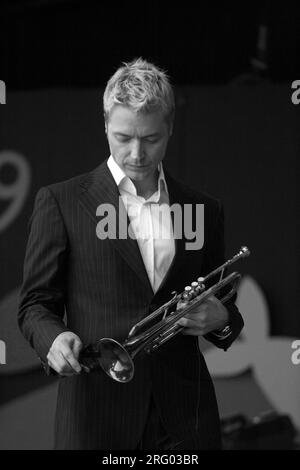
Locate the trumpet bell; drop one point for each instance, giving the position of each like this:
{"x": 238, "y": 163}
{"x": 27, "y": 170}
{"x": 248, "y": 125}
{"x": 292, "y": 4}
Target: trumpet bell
{"x": 115, "y": 360}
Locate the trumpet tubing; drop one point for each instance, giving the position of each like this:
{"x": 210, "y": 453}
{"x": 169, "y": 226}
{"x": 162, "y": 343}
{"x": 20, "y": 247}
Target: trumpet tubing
{"x": 117, "y": 359}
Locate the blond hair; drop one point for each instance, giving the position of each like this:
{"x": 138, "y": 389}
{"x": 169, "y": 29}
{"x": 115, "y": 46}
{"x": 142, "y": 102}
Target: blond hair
{"x": 141, "y": 86}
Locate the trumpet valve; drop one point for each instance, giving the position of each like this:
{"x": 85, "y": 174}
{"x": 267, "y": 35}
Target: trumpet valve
{"x": 187, "y": 293}
{"x": 196, "y": 288}
{"x": 201, "y": 285}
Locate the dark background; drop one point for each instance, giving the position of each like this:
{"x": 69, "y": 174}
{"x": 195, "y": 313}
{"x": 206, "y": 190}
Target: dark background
{"x": 69, "y": 43}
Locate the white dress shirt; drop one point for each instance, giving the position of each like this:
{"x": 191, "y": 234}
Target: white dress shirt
{"x": 150, "y": 221}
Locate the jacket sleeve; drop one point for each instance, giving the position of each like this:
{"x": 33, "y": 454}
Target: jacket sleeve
{"x": 215, "y": 258}
{"x": 41, "y": 306}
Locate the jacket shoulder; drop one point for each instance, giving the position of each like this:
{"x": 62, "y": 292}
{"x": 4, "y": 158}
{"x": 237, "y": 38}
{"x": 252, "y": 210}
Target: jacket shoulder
{"x": 79, "y": 183}
{"x": 68, "y": 186}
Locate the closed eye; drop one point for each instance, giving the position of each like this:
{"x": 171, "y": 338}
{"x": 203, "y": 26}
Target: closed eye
{"x": 152, "y": 139}
{"x": 122, "y": 138}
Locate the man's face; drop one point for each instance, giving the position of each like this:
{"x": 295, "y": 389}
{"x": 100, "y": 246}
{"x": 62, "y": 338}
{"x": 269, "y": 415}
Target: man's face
{"x": 137, "y": 141}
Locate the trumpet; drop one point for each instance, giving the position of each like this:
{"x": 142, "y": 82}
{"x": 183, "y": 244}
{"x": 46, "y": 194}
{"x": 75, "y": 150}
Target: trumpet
{"x": 116, "y": 359}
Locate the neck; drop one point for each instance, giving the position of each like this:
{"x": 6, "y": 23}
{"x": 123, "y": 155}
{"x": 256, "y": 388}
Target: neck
{"x": 147, "y": 187}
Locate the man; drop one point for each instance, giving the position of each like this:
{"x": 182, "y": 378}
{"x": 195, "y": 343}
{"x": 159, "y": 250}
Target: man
{"x": 106, "y": 284}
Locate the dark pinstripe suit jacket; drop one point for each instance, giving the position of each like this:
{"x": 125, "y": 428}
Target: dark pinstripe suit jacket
{"x": 104, "y": 289}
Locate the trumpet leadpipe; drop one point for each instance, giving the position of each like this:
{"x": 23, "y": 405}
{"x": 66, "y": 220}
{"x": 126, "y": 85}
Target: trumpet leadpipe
{"x": 242, "y": 253}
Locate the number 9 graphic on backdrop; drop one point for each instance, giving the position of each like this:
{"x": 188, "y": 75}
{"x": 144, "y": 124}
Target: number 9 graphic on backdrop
{"x": 16, "y": 191}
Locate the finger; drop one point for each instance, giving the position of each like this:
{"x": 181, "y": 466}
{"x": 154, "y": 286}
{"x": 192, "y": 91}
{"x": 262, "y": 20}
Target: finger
{"x": 212, "y": 300}
{"x": 68, "y": 355}
{"x": 182, "y": 321}
{"x": 189, "y": 323}
{"x": 193, "y": 331}
{"x": 197, "y": 316}
{"x": 77, "y": 347}
{"x": 200, "y": 310}
{"x": 59, "y": 364}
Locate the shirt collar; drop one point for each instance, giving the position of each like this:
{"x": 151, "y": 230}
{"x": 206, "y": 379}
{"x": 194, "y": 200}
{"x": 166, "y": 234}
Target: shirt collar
{"x": 125, "y": 183}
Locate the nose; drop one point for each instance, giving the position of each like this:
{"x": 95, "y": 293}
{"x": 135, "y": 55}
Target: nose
{"x": 137, "y": 150}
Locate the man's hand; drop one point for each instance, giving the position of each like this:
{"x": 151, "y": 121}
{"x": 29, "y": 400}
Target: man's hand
{"x": 64, "y": 352}
{"x": 209, "y": 316}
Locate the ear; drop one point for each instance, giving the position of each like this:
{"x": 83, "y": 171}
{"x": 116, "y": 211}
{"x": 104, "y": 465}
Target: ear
{"x": 171, "y": 129}
{"x": 105, "y": 126}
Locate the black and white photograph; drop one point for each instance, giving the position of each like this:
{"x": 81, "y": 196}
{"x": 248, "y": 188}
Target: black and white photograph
{"x": 149, "y": 229}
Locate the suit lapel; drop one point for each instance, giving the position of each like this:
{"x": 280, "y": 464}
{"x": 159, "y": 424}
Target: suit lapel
{"x": 99, "y": 187}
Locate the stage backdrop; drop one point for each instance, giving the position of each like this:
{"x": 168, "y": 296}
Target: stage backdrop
{"x": 238, "y": 142}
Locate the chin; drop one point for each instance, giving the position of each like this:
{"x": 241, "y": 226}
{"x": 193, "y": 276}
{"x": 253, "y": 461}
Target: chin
{"x": 137, "y": 175}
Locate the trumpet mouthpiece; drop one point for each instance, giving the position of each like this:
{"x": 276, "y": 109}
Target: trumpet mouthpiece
{"x": 244, "y": 251}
